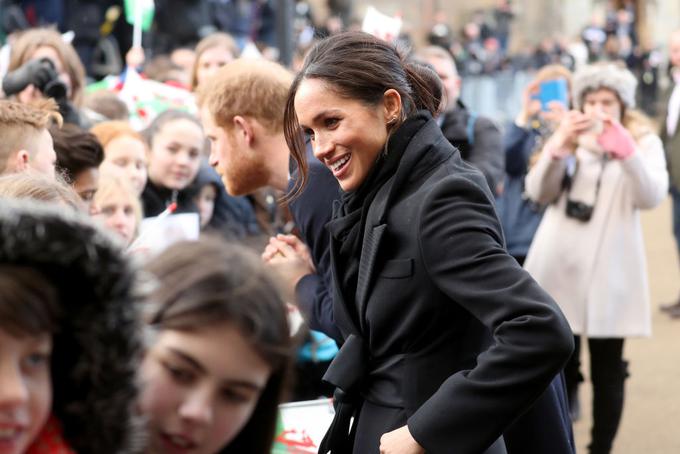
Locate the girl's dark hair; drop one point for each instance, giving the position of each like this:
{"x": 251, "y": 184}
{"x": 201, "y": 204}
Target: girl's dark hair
{"x": 359, "y": 66}
{"x": 166, "y": 117}
{"x": 28, "y": 302}
{"x": 76, "y": 149}
{"x": 207, "y": 282}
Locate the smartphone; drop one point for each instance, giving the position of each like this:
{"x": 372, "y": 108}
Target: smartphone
{"x": 553, "y": 91}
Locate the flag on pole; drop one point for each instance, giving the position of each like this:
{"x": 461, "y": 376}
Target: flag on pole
{"x": 139, "y": 10}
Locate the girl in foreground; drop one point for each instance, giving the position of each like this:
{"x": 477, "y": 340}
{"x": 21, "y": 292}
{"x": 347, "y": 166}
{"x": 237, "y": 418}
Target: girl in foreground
{"x": 215, "y": 372}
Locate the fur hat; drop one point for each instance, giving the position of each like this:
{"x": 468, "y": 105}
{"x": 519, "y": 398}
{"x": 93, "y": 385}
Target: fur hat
{"x": 98, "y": 345}
{"x": 604, "y": 75}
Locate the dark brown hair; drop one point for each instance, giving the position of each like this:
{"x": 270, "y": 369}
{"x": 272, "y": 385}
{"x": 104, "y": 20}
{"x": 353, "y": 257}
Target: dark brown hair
{"x": 207, "y": 282}
{"x": 359, "y": 66}
{"x": 28, "y": 302}
{"x": 76, "y": 149}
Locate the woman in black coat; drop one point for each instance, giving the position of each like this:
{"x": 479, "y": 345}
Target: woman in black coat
{"x": 421, "y": 274}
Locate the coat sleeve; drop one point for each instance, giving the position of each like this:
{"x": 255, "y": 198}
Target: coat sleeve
{"x": 316, "y": 302}
{"x": 518, "y": 144}
{"x": 646, "y": 173}
{"x": 461, "y": 245}
{"x": 487, "y": 154}
{"x": 312, "y": 210}
{"x": 543, "y": 183}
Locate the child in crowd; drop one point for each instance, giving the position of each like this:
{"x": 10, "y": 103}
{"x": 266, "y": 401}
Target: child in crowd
{"x": 206, "y": 189}
{"x": 26, "y": 141}
{"x": 79, "y": 155}
{"x": 218, "y": 365}
{"x": 124, "y": 152}
{"x": 117, "y": 206}
{"x": 69, "y": 336}
{"x": 176, "y": 143}
{"x": 212, "y": 52}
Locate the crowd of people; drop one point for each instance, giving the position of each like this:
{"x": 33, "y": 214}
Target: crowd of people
{"x": 447, "y": 268}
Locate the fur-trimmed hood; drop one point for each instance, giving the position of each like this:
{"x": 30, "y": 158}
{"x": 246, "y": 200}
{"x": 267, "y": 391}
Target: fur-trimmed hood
{"x": 604, "y": 75}
{"x": 98, "y": 344}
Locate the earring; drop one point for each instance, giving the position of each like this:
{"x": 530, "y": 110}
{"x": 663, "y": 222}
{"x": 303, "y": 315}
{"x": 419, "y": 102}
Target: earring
{"x": 392, "y": 120}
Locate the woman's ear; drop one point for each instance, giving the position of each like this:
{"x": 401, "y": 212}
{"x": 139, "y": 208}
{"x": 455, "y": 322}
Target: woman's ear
{"x": 392, "y": 105}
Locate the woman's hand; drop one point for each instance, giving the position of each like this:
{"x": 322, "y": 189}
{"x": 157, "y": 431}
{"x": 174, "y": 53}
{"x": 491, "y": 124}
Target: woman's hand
{"x": 616, "y": 140}
{"x": 563, "y": 141}
{"x": 400, "y": 441}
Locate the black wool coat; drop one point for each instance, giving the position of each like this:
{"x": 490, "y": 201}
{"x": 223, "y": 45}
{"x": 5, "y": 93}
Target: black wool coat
{"x": 451, "y": 336}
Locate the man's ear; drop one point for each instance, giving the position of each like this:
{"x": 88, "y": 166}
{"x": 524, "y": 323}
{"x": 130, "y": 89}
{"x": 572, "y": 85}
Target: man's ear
{"x": 21, "y": 160}
{"x": 392, "y": 105}
{"x": 244, "y": 129}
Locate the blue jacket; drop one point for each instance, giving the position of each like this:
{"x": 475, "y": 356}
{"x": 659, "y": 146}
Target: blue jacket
{"x": 519, "y": 216}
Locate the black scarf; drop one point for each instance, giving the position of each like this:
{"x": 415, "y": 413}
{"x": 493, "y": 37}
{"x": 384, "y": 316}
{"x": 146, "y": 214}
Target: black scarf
{"x": 349, "y": 214}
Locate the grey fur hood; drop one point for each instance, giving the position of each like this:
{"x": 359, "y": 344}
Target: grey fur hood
{"x": 98, "y": 344}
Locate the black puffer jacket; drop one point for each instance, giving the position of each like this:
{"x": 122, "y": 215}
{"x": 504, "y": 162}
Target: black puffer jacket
{"x": 99, "y": 342}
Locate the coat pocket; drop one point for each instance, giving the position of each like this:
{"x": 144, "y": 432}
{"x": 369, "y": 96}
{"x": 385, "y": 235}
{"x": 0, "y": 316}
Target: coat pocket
{"x": 397, "y": 269}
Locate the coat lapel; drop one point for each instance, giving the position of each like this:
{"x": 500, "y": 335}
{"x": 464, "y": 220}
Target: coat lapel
{"x": 373, "y": 235}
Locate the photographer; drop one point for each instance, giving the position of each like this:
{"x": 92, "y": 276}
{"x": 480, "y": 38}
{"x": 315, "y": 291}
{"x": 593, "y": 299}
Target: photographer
{"x": 43, "y": 65}
{"x": 601, "y": 166}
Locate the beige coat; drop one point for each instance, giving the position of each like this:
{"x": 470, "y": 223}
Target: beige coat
{"x": 596, "y": 270}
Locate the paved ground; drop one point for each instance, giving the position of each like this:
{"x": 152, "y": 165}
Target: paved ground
{"x": 651, "y": 418}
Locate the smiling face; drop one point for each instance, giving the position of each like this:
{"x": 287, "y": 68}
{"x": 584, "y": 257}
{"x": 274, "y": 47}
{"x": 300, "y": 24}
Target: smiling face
{"x": 25, "y": 389}
{"x": 175, "y": 154}
{"x": 200, "y": 388}
{"x": 347, "y": 135}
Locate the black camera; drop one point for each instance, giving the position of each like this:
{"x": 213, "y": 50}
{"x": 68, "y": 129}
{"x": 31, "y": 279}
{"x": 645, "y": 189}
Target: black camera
{"x": 579, "y": 210}
{"x": 42, "y": 74}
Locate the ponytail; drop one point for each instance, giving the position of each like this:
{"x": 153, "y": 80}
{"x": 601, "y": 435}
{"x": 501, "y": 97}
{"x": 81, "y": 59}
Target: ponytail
{"x": 426, "y": 86}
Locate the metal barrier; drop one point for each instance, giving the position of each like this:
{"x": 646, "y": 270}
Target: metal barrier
{"x": 498, "y": 96}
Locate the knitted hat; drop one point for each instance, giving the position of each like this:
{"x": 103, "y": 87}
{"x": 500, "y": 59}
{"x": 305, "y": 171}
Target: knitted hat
{"x": 604, "y": 75}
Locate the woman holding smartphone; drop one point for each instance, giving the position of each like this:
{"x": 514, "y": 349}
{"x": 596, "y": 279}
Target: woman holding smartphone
{"x": 447, "y": 339}
{"x": 597, "y": 171}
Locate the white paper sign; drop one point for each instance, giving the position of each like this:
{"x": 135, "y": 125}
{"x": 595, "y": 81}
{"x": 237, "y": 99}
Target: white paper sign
{"x": 157, "y": 233}
{"x": 302, "y": 426}
{"x": 381, "y": 25}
